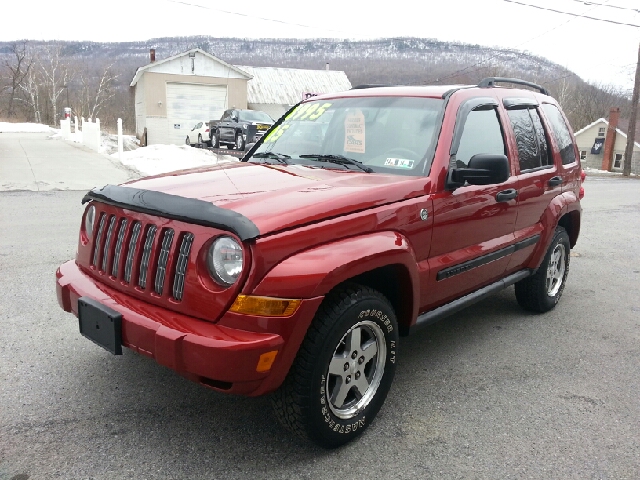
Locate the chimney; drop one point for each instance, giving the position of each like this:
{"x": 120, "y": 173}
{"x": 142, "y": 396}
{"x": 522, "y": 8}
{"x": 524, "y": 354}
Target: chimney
{"x": 610, "y": 140}
{"x": 326, "y": 67}
{"x": 152, "y": 55}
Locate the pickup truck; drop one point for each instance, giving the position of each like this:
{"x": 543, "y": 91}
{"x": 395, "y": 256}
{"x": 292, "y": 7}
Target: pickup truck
{"x": 357, "y": 219}
{"x": 239, "y": 128}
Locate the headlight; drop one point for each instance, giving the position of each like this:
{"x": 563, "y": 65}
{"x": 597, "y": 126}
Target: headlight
{"x": 88, "y": 221}
{"x": 245, "y": 126}
{"x": 224, "y": 260}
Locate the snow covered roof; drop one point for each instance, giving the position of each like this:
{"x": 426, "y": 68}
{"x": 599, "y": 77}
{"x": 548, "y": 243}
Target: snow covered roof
{"x": 602, "y": 120}
{"x": 285, "y": 86}
{"x": 141, "y": 70}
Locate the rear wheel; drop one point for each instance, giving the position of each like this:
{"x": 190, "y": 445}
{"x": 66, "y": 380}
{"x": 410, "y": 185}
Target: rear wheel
{"x": 542, "y": 291}
{"x": 199, "y": 138}
{"x": 343, "y": 370}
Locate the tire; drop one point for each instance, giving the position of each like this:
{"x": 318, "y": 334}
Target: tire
{"x": 215, "y": 141}
{"x": 187, "y": 141}
{"x": 199, "y": 138}
{"x": 315, "y": 401}
{"x": 239, "y": 142}
{"x": 542, "y": 291}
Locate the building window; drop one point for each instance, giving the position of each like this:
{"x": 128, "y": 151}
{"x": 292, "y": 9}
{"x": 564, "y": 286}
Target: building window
{"x": 583, "y": 154}
{"x": 601, "y": 132}
{"x": 617, "y": 161}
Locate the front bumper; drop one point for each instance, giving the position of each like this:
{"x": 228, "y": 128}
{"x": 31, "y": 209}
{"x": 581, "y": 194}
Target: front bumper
{"x": 216, "y": 355}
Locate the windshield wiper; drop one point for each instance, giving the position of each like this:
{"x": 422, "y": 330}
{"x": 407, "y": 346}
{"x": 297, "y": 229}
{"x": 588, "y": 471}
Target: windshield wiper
{"x": 338, "y": 159}
{"x": 281, "y": 157}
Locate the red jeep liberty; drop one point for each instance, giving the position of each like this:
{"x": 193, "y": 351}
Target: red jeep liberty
{"x": 358, "y": 218}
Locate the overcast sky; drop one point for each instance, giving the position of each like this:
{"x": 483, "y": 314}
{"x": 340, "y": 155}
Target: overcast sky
{"x": 598, "y": 51}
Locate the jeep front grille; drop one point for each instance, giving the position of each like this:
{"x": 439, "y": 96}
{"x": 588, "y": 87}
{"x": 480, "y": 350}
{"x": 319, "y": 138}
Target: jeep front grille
{"x": 139, "y": 255}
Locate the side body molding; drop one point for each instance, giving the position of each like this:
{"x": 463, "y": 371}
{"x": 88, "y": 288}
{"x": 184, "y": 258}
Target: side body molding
{"x": 316, "y": 271}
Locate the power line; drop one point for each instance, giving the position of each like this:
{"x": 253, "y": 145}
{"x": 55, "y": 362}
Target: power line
{"x": 584, "y": 2}
{"x": 255, "y": 16}
{"x": 574, "y": 14}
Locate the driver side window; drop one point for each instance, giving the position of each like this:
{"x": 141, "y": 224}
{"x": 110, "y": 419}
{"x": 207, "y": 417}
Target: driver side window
{"x": 481, "y": 134}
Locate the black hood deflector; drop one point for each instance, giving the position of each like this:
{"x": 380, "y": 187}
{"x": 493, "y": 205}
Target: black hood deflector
{"x": 189, "y": 210}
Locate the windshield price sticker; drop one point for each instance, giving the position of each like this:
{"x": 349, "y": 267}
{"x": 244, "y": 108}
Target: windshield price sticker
{"x": 399, "y": 163}
{"x": 276, "y": 133}
{"x": 354, "y": 132}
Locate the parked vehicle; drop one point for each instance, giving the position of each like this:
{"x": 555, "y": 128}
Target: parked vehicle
{"x": 199, "y": 133}
{"x": 238, "y": 128}
{"x": 297, "y": 273}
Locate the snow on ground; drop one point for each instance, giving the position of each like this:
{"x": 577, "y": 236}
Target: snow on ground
{"x": 156, "y": 159}
{"x": 6, "y": 127}
{"x": 595, "y": 171}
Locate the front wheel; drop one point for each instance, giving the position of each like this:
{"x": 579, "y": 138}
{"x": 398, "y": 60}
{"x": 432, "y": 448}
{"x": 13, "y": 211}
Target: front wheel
{"x": 542, "y": 291}
{"x": 187, "y": 141}
{"x": 343, "y": 370}
{"x": 215, "y": 141}
{"x": 239, "y": 142}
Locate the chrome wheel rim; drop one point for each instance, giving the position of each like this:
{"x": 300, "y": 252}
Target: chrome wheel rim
{"x": 555, "y": 270}
{"x": 356, "y": 369}
{"x": 199, "y": 138}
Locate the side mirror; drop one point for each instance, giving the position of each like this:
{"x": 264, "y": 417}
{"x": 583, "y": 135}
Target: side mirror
{"x": 483, "y": 169}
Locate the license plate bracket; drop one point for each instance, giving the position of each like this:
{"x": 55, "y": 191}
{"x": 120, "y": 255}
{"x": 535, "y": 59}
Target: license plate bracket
{"x": 100, "y": 324}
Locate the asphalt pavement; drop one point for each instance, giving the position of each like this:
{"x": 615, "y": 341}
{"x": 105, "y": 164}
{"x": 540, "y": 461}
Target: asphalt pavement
{"x": 38, "y": 162}
{"x": 491, "y": 393}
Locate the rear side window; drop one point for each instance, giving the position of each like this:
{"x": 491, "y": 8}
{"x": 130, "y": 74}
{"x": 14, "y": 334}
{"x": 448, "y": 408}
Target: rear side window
{"x": 533, "y": 151}
{"x": 560, "y": 133}
{"x": 482, "y": 134}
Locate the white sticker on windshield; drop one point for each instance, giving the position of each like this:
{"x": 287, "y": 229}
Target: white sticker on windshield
{"x": 399, "y": 163}
{"x": 354, "y": 132}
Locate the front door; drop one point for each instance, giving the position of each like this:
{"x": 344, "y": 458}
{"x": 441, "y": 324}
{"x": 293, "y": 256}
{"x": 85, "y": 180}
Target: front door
{"x": 473, "y": 224}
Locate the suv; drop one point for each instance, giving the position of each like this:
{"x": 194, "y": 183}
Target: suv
{"x": 296, "y": 270}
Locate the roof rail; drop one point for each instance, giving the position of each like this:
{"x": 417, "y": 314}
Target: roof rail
{"x": 371, "y": 85}
{"x": 490, "y": 82}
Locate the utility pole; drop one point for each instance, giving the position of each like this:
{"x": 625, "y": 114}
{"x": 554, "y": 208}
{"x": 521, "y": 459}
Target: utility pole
{"x": 631, "y": 133}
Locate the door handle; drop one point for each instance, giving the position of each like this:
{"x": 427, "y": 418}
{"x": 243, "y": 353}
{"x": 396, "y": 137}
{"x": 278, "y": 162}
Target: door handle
{"x": 506, "y": 195}
{"x": 555, "y": 181}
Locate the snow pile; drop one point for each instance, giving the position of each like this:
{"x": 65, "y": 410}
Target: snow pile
{"x": 595, "y": 171}
{"x": 156, "y": 159}
{"x": 109, "y": 143}
{"x": 6, "y": 127}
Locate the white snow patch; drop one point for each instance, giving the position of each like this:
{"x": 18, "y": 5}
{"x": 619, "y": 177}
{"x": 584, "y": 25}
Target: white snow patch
{"x": 157, "y": 159}
{"x": 6, "y": 127}
{"x": 595, "y": 171}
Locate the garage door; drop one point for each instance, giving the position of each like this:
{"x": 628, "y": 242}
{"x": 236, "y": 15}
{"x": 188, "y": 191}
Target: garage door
{"x": 188, "y": 104}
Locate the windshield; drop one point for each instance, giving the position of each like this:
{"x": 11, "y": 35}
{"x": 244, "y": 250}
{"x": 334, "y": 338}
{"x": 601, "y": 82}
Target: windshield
{"x": 254, "y": 116}
{"x": 383, "y": 134}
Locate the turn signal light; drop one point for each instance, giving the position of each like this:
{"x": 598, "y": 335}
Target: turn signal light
{"x": 265, "y": 306}
{"x": 266, "y": 360}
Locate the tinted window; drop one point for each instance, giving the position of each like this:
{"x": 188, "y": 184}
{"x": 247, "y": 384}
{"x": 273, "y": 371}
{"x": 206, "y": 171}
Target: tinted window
{"x": 254, "y": 116}
{"x": 560, "y": 133}
{"x": 481, "y": 134}
{"x": 533, "y": 151}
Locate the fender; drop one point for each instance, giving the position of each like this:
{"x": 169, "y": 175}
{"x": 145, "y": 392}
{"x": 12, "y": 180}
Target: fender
{"x": 562, "y": 204}
{"x": 314, "y": 272}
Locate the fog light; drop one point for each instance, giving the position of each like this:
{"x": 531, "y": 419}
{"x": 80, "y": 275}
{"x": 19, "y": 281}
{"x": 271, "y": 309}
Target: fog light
{"x": 265, "y": 306}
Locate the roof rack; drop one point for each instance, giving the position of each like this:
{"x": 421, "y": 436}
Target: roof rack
{"x": 490, "y": 82}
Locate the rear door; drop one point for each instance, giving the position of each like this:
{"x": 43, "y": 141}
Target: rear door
{"x": 539, "y": 178}
{"x": 473, "y": 224}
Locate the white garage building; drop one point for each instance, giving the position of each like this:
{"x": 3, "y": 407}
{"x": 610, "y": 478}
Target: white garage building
{"x": 173, "y": 94}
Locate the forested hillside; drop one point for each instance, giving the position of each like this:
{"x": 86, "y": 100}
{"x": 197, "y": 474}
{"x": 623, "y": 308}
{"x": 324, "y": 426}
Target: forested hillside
{"x": 38, "y": 79}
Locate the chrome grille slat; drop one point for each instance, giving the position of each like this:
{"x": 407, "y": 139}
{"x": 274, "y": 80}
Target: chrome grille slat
{"x": 107, "y": 243}
{"x": 146, "y": 255}
{"x": 163, "y": 259}
{"x": 133, "y": 241}
{"x": 119, "y": 242}
{"x": 181, "y": 266}
{"x": 96, "y": 245}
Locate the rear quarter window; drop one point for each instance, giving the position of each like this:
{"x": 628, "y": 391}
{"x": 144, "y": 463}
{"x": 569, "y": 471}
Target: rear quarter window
{"x": 560, "y": 133}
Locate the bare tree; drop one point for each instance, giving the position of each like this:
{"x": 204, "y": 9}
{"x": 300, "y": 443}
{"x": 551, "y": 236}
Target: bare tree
{"x": 55, "y": 75}
{"x": 18, "y": 70}
{"x": 31, "y": 94}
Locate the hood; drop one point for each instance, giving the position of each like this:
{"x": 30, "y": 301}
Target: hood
{"x": 276, "y": 197}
